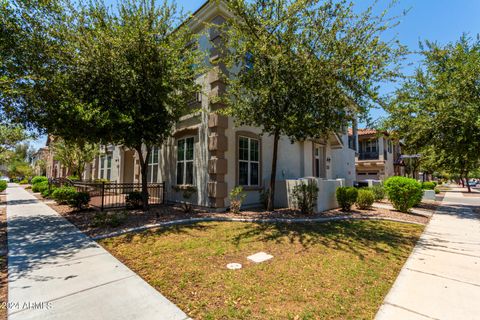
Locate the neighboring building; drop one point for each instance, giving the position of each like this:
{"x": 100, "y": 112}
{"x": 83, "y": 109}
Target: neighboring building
{"x": 40, "y": 160}
{"x": 53, "y": 168}
{"x": 378, "y": 155}
{"x": 209, "y": 152}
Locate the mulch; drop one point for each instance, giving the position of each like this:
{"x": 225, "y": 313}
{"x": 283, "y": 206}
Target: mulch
{"x": 137, "y": 218}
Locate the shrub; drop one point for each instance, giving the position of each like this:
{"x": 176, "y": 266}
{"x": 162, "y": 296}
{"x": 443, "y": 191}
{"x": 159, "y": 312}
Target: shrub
{"x": 429, "y": 185}
{"x": 47, "y": 193}
{"x": 437, "y": 191}
{"x": 264, "y": 197}
{"x": 187, "y": 193}
{"x": 40, "y": 186}
{"x": 24, "y": 181}
{"x": 404, "y": 193}
{"x": 346, "y": 197}
{"x": 3, "y": 185}
{"x": 236, "y": 196}
{"x": 305, "y": 196}
{"x": 365, "y": 198}
{"x": 80, "y": 200}
{"x": 64, "y": 195}
{"x": 73, "y": 178}
{"x": 134, "y": 200}
{"x": 378, "y": 191}
{"x": 109, "y": 219}
{"x": 38, "y": 179}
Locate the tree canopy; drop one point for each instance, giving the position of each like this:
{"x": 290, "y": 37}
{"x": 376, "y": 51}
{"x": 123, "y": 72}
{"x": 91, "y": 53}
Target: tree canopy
{"x": 439, "y": 106}
{"x": 121, "y": 76}
{"x": 304, "y": 69}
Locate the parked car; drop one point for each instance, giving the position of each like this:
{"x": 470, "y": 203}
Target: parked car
{"x": 4, "y": 178}
{"x": 472, "y": 183}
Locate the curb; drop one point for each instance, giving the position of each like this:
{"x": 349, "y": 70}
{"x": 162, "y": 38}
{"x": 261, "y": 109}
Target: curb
{"x": 253, "y": 220}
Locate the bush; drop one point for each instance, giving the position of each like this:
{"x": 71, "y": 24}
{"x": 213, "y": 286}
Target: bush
{"x": 264, "y": 193}
{"x": 64, "y": 195}
{"x": 346, "y": 197}
{"x": 365, "y": 198}
{"x": 236, "y": 196}
{"x": 305, "y": 196}
{"x": 80, "y": 200}
{"x": 73, "y": 178}
{"x": 109, "y": 219}
{"x": 378, "y": 191}
{"x": 134, "y": 200}
{"x": 429, "y": 185}
{"x": 437, "y": 191}
{"x": 24, "y": 181}
{"x": 40, "y": 186}
{"x": 187, "y": 193}
{"x": 38, "y": 179}
{"x": 3, "y": 185}
{"x": 404, "y": 193}
{"x": 47, "y": 193}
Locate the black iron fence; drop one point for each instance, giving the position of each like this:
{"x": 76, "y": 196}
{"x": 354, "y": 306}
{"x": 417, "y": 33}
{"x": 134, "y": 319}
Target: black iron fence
{"x": 112, "y": 195}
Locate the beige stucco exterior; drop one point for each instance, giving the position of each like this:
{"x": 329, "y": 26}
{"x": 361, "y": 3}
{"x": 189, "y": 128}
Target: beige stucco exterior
{"x": 216, "y": 137}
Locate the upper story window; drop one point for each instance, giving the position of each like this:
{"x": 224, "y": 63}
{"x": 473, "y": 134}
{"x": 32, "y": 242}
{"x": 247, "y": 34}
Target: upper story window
{"x": 369, "y": 146}
{"x": 185, "y": 161}
{"x": 105, "y": 167}
{"x": 248, "y": 161}
{"x": 152, "y": 174}
{"x": 390, "y": 148}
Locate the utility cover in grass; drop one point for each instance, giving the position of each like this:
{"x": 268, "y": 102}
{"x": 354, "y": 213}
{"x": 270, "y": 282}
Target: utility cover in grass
{"x": 234, "y": 266}
{"x": 260, "y": 257}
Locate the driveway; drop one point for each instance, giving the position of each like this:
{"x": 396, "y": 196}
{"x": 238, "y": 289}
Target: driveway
{"x": 441, "y": 278}
{"x": 56, "y": 272}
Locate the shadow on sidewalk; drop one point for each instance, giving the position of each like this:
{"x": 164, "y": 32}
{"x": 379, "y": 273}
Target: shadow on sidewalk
{"x": 38, "y": 241}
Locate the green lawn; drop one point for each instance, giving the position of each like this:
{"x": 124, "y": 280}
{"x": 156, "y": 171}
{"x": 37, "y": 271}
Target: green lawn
{"x": 339, "y": 270}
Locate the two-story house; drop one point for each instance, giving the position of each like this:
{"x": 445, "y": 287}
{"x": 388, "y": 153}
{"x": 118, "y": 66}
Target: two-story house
{"x": 208, "y": 151}
{"x": 378, "y": 155}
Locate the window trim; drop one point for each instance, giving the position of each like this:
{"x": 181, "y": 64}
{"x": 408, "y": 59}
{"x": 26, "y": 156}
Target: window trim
{"x": 184, "y": 161}
{"x": 103, "y": 170}
{"x": 322, "y": 158}
{"x": 153, "y": 164}
{"x": 249, "y": 135}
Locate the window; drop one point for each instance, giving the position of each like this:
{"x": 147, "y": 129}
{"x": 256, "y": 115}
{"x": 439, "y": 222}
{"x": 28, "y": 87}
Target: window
{"x": 318, "y": 161}
{"x": 370, "y": 146}
{"x": 390, "y": 146}
{"x": 152, "y": 173}
{"x": 248, "y": 161}
{"x": 106, "y": 166}
{"x": 185, "y": 161}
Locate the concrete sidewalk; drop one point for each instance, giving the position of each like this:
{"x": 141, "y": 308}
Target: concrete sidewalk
{"x": 441, "y": 278}
{"x": 56, "y": 272}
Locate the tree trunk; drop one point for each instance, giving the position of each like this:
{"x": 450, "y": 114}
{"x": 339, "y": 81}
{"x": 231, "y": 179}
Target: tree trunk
{"x": 466, "y": 180}
{"x": 144, "y": 171}
{"x": 271, "y": 195}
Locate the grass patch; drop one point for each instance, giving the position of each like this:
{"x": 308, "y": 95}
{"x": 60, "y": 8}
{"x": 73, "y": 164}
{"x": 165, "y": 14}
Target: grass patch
{"x": 338, "y": 270}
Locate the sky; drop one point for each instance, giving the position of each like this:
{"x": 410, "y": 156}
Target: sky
{"x": 442, "y": 21}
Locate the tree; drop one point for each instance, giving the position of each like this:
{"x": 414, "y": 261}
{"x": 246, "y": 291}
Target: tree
{"x": 119, "y": 76}
{"x": 303, "y": 69}
{"x": 11, "y": 136}
{"x": 75, "y": 155}
{"x": 439, "y": 106}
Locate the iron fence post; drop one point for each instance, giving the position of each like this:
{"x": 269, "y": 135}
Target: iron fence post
{"x": 164, "y": 193}
{"x": 103, "y": 195}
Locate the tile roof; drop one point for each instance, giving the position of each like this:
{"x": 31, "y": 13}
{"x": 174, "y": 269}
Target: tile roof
{"x": 362, "y": 132}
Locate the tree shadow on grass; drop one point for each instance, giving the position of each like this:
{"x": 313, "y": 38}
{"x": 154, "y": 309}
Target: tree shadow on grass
{"x": 356, "y": 237}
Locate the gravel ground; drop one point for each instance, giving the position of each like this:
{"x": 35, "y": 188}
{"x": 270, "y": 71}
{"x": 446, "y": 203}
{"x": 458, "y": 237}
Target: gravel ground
{"x": 136, "y": 218}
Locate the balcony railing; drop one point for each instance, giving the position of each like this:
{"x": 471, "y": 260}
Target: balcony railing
{"x": 368, "y": 156}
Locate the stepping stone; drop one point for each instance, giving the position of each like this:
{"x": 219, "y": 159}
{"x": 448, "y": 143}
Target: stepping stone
{"x": 234, "y": 266}
{"x": 260, "y": 257}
